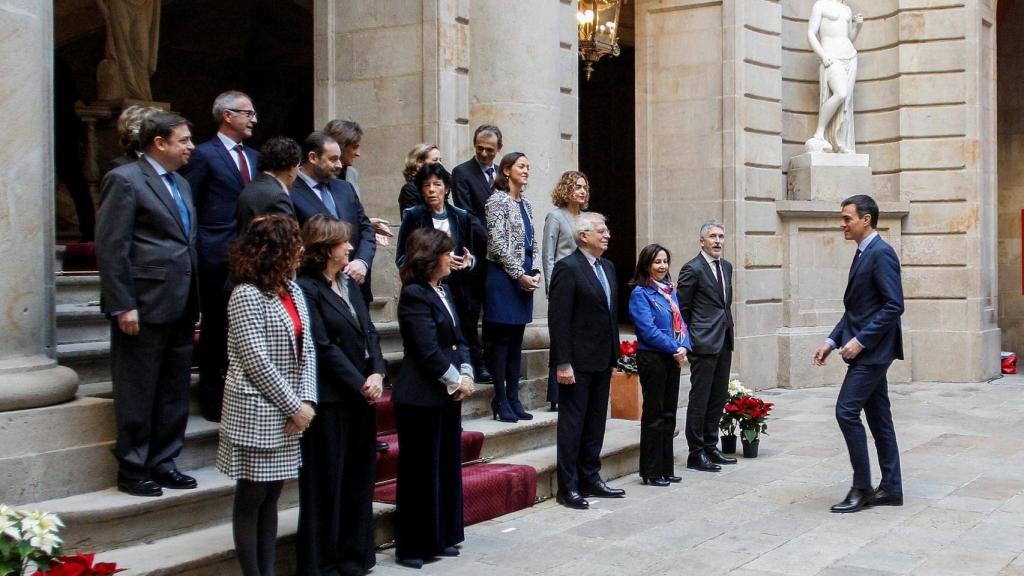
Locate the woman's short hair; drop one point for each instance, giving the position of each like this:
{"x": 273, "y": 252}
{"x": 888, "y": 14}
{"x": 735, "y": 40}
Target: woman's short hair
{"x": 267, "y": 254}
{"x": 423, "y": 251}
{"x": 500, "y": 179}
{"x": 428, "y": 170}
{"x": 566, "y": 187}
{"x": 129, "y": 123}
{"x": 345, "y": 132}
{"x": 642, "y": 276}
{"x": 320, "y": 234}
{"x": 279, "y": 153}
{"x": 417, "y": 156}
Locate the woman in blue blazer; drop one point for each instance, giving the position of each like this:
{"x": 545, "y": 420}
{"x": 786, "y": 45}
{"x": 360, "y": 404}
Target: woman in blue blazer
{"x": 662, "y": 344}
{"x": 436, "y": 376}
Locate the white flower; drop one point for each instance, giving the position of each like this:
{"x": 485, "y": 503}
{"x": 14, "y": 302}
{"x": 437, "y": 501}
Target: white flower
{"x": 10, "y": 526}
{"x": 736, "y": 388}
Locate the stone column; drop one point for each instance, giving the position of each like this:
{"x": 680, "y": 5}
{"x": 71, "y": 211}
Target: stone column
{"x": 514, "y": 83}
{"x": 29, "y": 375}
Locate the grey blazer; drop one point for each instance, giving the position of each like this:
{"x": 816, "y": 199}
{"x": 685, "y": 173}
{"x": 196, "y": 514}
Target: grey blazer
{"x": 559, "y": 240}
{"x": 146, "y": 261}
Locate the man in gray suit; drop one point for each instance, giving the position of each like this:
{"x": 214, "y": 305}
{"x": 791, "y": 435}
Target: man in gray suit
{"x": 145, "y": 247}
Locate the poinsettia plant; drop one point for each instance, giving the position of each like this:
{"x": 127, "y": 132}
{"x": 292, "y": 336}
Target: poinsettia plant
{"x": 750, "y": 413}
{"x": 728, "y": 422}
{"x": 80, "y": 565}
{"x": 27, "y": 538}
{"x": 627, "y": 356}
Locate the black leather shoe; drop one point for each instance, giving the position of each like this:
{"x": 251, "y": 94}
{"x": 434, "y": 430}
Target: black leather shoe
{"x": 884, "y": 498}
{"x": 449, "y": 552}
{"x": 655, "y": 481}
{"x": 175, "y": 480}
{"x": 673, "y": 479}
{"x": 382, "y": 447}
{"x": 572, "y": 499}
{"x": 554, "y": 407}
{"x": 483, "y": 375}
{"x": 416, "y": 563}
{"x": 603, "y": 490}
{"x": 716, "y": 456}
{"x": 700, "y": 461}
{"x": 139, "y": 487}
{"x": 520, "y": 411}
{"x": 855, "y": 500}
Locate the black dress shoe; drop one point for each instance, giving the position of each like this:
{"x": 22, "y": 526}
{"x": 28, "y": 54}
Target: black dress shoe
{"x": 416, "y": 563}
{"x": 700, "y": 461}
{"x": 716, "y": 456}
{"x": 139, "y": 487}
{"x": 554, "y": 407}
{"x": 673, "y": 479}
{"x": 175, "y": 480}
{"x": 382, "y": 447}
{"x": 855, "y": 500}
{"x": 655, "y": 481}
{"x": 603, "y": 490}
{"x": 885, "y": 498}
{"x": 449, "y": 552}
{"x": 483, "y": 375}
{"x": 572, "y": 499}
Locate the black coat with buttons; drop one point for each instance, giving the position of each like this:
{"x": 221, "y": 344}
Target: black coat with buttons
{"x": 432, "y": 342}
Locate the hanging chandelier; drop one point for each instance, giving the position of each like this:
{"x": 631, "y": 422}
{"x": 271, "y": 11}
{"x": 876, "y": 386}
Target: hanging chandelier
{"x": 598, "y": 23}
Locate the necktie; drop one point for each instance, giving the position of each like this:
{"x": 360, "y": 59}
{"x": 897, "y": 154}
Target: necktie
{"x": 854, "y": 263}
{"x": 176, "y": 194}
{"x": 328, "y": 199}
{"x": 490, "y": 175}
{"x": 721, "y": 290}
{"x": 243, "y": 165}
{"x": 604, "y": 282}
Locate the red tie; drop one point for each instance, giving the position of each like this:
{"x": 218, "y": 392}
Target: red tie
{"x": 243, "y": 165}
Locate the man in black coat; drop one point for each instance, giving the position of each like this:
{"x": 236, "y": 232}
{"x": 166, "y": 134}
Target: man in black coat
{"x": 471, "y": 182}
{"x": 584, "y": 333}
{"x": 705, "y": 298}
{"x": 268, "y": 193}
{"x": 145, "y": 248}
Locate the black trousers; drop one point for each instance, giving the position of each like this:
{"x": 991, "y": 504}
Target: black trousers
{"x": 429, "y": 500}
{"x": 339, "y": 466}
{"x": 212, "y": 349}
{"x": 659, "y": 378}
{"x": 582, "y": 411}
{"x": 150, "y": 373}
{"x": 468, "y": 305}
{"x": 505, "y": 357}
{"x": 866, "y": 388}
{"x": 709, "y": 391}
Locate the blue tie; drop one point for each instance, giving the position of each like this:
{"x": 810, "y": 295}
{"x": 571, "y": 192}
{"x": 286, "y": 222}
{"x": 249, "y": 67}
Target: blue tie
{"x": 604, "y": 282}
{"x": 328, "y": 199}
{"x": 176, "y": 194}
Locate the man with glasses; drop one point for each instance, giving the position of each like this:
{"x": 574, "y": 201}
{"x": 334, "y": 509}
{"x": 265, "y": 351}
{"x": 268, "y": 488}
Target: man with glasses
{"x": 218, "y": 171}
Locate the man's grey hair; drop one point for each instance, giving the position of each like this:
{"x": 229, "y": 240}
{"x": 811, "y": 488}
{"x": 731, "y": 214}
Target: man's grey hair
{"x": 713, "y": 223}
{"x": 224, "y": 101}
{"x": 585, "y": 221}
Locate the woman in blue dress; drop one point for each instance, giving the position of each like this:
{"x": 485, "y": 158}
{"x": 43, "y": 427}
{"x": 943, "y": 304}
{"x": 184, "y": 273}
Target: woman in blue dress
{"x": 511, "y": 282}
{"x": 662, "y": 344}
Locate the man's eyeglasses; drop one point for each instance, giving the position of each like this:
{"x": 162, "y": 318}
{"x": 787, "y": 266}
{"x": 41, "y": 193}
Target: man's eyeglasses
{"x": 250, "y": 114}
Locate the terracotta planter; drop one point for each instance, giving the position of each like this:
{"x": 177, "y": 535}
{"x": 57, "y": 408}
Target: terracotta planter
{"x": 750, "y": 448}
{"x": 729, "y": 444}
{"x": 627, "y": 398}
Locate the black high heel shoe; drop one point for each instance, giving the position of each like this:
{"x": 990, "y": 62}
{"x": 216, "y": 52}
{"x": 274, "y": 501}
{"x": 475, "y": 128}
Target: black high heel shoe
{"x": 654, "y": 481}
{"x": 520, "y": 410}
{"x": 503, "y": 413}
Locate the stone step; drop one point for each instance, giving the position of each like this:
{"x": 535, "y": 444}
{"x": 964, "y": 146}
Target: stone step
{"x": 210, "y": 550}
{"x": 89, "y": 359}
{"x": 77, "y": 288}
{"x": 505, "y": 438}
{"x": 81, "y": 322}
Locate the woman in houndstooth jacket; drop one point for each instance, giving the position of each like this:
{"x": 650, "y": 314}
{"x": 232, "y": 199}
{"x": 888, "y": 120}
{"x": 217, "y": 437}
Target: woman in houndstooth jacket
{"x": 270, "y": 387}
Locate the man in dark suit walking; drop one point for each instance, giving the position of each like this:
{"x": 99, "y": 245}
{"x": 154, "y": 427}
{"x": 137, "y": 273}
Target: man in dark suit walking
{"x": 869, "y": 338}
{"x": 584, "y": 332}
{"x": 145, "y": 247}
{"x": 218, "y": 171}
{"x": 317, "y": 190}
{"x": 471, "y": 182}
{"x": 705, "y": 298}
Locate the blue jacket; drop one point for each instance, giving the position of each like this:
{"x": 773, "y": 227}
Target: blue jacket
{"x": 652, "y": 319}
{"x": 874, "y": 304}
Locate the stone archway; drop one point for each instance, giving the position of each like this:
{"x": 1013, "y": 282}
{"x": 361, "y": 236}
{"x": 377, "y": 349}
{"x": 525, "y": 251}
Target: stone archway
{"x": 1010, "y": 162}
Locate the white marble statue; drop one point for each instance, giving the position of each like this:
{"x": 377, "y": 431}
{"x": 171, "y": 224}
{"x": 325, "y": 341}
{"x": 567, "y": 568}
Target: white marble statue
{"x": 133, "y": 40}
{"x": 831, "y": 31}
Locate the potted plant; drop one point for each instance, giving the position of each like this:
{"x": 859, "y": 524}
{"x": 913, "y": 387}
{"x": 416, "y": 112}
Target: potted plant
{"x": 626, "y": 396}
{"x": 751, "y": 413}
{"x": 727, "y": 425}
{"x": 27, "y": 539}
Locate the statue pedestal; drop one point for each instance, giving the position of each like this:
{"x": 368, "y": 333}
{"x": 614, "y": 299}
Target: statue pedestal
{"x": 828, "y": 177}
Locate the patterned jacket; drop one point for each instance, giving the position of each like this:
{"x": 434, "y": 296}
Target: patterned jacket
{"x": 269, "y": 374}
{"x": 506, "y": 234}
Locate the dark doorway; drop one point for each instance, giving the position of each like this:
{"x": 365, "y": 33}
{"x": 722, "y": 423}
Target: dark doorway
{"x": 608, "y": 157}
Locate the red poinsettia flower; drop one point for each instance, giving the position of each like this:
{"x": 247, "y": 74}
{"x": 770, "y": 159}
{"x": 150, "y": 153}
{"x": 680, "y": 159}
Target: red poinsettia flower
{"x": 627, "y": 348}
{"x": 80, "y": 565}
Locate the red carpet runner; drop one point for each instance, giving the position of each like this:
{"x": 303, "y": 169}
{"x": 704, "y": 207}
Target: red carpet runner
{"x": 489, "y": 490}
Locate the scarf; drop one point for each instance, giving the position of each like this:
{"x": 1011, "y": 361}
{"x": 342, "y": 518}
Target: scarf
{"x": 666, "y": 289}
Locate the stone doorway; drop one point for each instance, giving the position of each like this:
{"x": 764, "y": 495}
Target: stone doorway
{"x": 1010, "y": 158}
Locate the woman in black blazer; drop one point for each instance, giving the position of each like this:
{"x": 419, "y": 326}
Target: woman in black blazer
{"x": 436, "y": 376}
{"x": 339, "y": 468}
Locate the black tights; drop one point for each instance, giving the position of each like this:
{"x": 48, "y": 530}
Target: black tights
{"x": 255, "y": 525}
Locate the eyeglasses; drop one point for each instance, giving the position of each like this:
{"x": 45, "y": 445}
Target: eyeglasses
{"x": 250, "y": 114}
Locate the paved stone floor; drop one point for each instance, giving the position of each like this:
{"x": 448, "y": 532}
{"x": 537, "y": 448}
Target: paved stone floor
{"x": 963, "y": 471}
